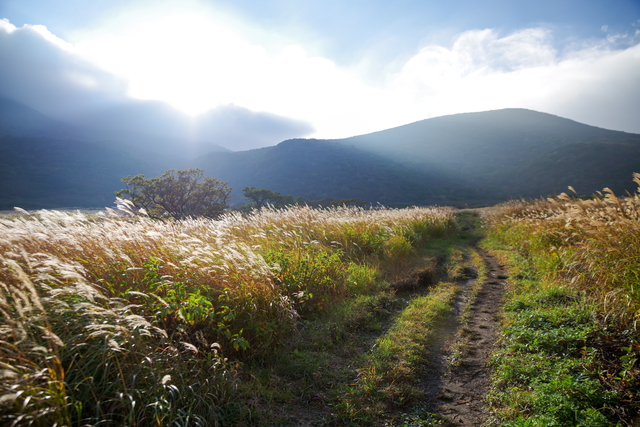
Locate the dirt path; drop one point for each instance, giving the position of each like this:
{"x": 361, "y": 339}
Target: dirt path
{"x": 460, "y": 376}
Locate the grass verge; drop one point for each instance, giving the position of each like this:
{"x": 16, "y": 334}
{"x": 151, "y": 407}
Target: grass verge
{"x": 562, "y": 360}
{"x": 361, "y": 362}
{"x": 391, "y": 372}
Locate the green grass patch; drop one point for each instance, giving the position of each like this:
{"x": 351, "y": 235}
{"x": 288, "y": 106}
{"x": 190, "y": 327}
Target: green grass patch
{"x": 389, "y": 377}
{"x": 548, "y": 370}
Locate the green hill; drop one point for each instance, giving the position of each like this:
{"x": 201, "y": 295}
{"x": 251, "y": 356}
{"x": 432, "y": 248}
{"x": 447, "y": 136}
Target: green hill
{"x": 587, "y": 167}
{"x": 495, "y": 148}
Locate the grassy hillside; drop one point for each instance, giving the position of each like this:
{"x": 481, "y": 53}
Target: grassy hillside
{"x": 570, "y": 348}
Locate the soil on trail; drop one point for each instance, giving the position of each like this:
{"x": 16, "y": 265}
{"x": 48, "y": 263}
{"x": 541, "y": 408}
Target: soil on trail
{"x": 460, "y": 373}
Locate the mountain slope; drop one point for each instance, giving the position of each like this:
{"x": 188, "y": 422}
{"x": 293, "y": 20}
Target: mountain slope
{"x": 475, "y": 158}
{"x": 19, "y": 120}
{"x": 143, "y": 129}
{"x": 48, "y": 173}
{"x": 477, "y": 142}
{"x": 494, "y": 147}
{"x": 587, "y": 167}
{"x": 319, "y": 169}
{"x": 158, "y": 126}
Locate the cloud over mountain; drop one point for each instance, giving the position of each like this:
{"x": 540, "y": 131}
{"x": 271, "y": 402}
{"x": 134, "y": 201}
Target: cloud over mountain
{"x": 483, "y": 70}
{"x": 231, "y": 126}
{"x": 49, "y": 75}
{"x": 46, "y": 74}
{"x": 249, "y": 129}
{"x": 256, "y": 86}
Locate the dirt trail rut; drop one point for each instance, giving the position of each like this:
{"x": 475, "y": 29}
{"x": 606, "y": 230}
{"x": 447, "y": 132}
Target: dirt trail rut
{"x": 460, "y": 376}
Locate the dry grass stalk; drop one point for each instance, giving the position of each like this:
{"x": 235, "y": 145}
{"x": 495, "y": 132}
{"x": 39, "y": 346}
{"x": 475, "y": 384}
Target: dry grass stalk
{"x": 97, "y": 309}
{"x": 593, "y": 244}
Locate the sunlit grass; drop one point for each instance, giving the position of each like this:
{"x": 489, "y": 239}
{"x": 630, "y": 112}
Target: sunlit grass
{"x": 131, "y": 321}
{"x": 594, "y": 244}
{"x": 570, "y": 339}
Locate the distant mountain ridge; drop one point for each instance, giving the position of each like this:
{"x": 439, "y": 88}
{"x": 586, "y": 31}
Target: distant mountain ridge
{"x": 472, "y": 142}
{"x": 19, "y": 120}
{"x": 495, "y": 147}
{"x": 464, "y": 159}
{"x": 37, "y": 172}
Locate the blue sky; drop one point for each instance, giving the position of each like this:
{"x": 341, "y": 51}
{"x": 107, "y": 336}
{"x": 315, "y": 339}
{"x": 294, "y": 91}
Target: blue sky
{"x": 342, "y": 67}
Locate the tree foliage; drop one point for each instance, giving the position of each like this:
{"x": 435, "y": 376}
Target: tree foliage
{"x": 260, "y": 197}
{"x": 177, "y": 194}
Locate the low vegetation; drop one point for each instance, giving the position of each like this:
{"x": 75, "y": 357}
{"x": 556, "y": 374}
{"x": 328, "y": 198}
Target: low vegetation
{"x": 571, "y": 344}
{"x": 259, "y": 197}
{"x": 390, "y": 376}
{"x": 130, "y": 321}
{"x": 301, "y": 316}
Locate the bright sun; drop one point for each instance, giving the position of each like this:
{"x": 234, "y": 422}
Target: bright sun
{"x": 186, "y": 59}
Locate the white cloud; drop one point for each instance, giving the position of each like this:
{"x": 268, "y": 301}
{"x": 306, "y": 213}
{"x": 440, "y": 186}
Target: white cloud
{"x": 55, "y": 77}
{"x": 46, "y": 73}
{"x": 198, "y": 61}
{"x": 186, "y": 59}
{"x": 597, "y": 84}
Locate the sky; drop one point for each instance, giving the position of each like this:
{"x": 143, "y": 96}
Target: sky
{"x": 330, "y": 68}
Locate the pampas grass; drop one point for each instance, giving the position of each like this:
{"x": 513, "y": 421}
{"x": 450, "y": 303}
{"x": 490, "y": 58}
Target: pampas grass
{"x": 592, "y": 244}
{"x": 130, "y": 321}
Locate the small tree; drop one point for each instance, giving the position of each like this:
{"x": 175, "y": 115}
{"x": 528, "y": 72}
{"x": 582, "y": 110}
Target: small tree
{"x": 261, "y": 196}
{"x": 177, "y": 194}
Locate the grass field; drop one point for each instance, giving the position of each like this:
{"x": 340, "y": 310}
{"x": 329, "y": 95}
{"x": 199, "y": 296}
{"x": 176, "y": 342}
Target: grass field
{"x": 307, "y": 317}
{"x": 128, "y": 321}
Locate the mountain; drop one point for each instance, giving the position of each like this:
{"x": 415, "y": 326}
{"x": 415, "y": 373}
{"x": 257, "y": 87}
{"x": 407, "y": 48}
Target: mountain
{"x": 473, "y": 158}
{"x": 317, "y": 169}
{"x": 510, "y": 151}
{"x": 47, "y": 163}
{"x": 155, "y": 126}
{"x": 19, "y": 120}
{"x": 40, "y": 173}
{"x": 147, "y": 128}
{"x": 587, "y": 166}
